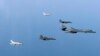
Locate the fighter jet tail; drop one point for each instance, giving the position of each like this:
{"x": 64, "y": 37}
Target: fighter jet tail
{"x": 11, "y": 41}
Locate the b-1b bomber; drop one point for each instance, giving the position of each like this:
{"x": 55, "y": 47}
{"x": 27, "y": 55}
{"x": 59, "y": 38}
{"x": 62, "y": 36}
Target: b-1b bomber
{"x": 74, "y": 30}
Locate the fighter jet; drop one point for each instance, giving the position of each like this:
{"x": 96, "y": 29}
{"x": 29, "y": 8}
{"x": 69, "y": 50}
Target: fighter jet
{"x": 46, "y": 14}
{"x": 46, "y": 38}
{"x": 74, "y": 30}
{"x": 61, "y": 21}
{"x": 14, "y": 43}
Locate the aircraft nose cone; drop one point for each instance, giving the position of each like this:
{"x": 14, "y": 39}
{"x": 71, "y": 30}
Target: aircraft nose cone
{"x": 94, "y": 32}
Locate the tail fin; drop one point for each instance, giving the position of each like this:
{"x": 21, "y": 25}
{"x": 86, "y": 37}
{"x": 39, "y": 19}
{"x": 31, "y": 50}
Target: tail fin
{"x": 63, "y": 26}
{"x": 41, "y": 36}
{"x": 11, "y": 41}
{"x": 60, "y": 20}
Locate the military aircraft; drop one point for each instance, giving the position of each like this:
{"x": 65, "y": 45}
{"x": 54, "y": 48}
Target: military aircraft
{"x": 61, "y": 21}
{"x": 46, "y": 14}
{"x": 46, "y": 38}
{"x": 14, "y": 43}
{"x": 74, "y": 30}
